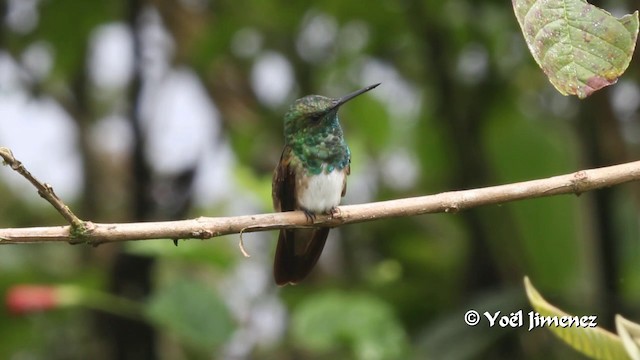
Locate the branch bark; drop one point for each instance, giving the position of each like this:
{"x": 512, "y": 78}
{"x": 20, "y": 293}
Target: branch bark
{"x": 448, "y": 202}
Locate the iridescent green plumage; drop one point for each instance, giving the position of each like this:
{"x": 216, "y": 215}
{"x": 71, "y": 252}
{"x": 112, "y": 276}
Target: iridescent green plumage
{"x": 311, "y": 176}
{"x": 313, "y": 132}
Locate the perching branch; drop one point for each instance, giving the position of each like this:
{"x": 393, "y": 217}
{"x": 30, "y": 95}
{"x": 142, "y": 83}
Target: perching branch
{"x": 209, "y": 227}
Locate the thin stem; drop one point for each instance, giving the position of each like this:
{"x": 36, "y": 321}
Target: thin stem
{"x": 113, "y": 304}
{"x": 44, "y": 190}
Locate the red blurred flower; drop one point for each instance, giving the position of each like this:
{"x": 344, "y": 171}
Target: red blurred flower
{"x": 24, "y": 299}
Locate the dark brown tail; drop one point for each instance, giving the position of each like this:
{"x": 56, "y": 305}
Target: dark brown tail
{"x": 297, "y": 253}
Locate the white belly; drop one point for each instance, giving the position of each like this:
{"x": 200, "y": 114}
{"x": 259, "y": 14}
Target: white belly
{"x": 322, "y": 192}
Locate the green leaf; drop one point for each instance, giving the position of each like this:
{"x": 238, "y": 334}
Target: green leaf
{"x": 192, "y": 312}
{"x": 629, "y": 332}
{"x": 362, "y": 323}
{"x": 594, "y": 342}
{"x": 580, "y": 47}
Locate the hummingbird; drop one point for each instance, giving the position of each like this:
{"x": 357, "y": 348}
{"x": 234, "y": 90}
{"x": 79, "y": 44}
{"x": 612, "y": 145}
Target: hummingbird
{"x": 312, "y": 177}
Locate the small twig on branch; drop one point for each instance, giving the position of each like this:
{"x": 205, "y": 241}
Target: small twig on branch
{"x": 241, "y": 245}
{"x": 209, "y": 227}
{"x": 44, "y": 190}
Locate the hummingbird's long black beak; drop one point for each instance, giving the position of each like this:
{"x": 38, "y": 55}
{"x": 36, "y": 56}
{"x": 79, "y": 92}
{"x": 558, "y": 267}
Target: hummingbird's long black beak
{"x": 348, "y": 97}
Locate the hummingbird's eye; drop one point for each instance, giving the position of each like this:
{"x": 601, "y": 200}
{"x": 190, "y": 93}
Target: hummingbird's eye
{"x": 315, "y": 118}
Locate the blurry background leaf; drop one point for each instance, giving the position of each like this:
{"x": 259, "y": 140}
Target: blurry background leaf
{"x": 192, "y": 312}
{"x": 359, "y": 322}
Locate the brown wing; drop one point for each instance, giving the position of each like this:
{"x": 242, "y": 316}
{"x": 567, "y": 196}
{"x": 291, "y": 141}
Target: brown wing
{"x": 283, "y": 187}
{"x": 347, "y": 171}
{"x": 298, "y": 250}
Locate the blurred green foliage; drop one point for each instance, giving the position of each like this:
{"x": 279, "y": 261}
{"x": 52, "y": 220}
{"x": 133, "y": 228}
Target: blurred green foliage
{"x": 462, "y": 105}
{"x": 193, "y": 312}
{"x": 361, "y": 323}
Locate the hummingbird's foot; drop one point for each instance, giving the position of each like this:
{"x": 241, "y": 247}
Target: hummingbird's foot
{"x": 334, "y": 212}
{"x": 311, "y": 217}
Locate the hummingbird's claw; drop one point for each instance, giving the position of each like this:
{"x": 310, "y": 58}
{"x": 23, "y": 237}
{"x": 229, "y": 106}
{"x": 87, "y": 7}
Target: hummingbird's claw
{"x": 175, "y": 242}
{"x": 334, "y": 212}
{"x": 311, "y": 217}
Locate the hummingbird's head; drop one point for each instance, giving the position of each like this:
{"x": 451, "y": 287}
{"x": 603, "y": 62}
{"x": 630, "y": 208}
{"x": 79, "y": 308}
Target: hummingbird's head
{"x": 309, "y": 114}
{"x": 315, "y": 114}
